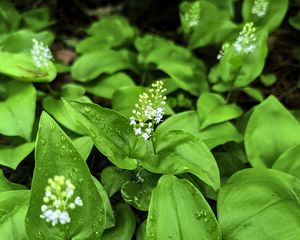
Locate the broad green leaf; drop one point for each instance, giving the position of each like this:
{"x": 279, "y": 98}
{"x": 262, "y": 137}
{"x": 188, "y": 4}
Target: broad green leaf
{"x": 237, "y": 71}
{"x": 20, "y": 66}
{"x": 93, "y": 64}
{"x": 271, "y": 130}
{"x": 180, "y": 152}
{"x": 84, "y": 146}
{"x": 9, "y": 17}
{"x": 212, "y": 109}
{"x": 210, "y": 30}
{"x": 295, "y": 21}
{"x": 13, "y": 207}
{"x": 225, "y": 6}
{"x": 111, "y": 133}
{"x": 138, "y": 192}
{"x": 21, "y": 40}
{"x": 189, "y": 121}
{"x": 62, "y": 113}
{"x": 56, "y": 155}
{"x": 125, "y": 224}
{"x": 289, "y": 161}
{"x": 6, "y": 185}
{"x": 106, "y": 86}
{"x": 110, "y": 218}
{"x": 254, "y": 204}
{"x": 18, "y": 109}
{"x": 37, "y": 19}
{"x": 272, "y": 18}
{"x": 113, "y": 178}
{"x": 179, "y": 211}
{"x": 11, "y": 156}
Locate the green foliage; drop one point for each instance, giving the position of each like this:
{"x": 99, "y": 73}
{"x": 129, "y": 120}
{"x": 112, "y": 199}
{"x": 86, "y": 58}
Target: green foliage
{"x": 114, "y": 132}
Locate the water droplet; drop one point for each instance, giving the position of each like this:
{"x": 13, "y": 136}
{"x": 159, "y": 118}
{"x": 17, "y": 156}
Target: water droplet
{"x": 62, "y": 138}
{"x": 170, "y": 235}
{"x": 205, "y": 213}
{"x": 52, "y": 128}
{"x": 98, "y": 117}
{"x": 27, "y": 220}
{"x": 94, "y": 225}
{"x": 43, "y": 141}
{"x": 63, "y": 147}
{"x": 205, "y": 219}
{"x": 87, "y": 109}
{"x": 97, "y": 233}
{"x": 198, "y": 215}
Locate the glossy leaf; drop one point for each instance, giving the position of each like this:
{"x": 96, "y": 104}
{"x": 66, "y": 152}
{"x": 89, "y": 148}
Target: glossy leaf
{"x": 93, "y": 64}
{"x": 106, "y": 86}
{"x": 111, "y": 133}
{"x": 289, "y": 161}
{"x": 37, "y": 19}
{"x": 272, "y": 18}
{"x": 179, "y": 211}
{"x": 11, "y": 156}
{"x": 180, "y": 152}
{"x": 20, "y": 66}
{"x": 13, "y": 207}
{"x": 254, "y": 203}
{"x": 18, "y": 109}
{"x": 125, "y": 224}
{"x": 212, "y": 109}
{"x": 271, "y": 130}
{"x": 56, "y": 155}
{"x": 113, "y": 178}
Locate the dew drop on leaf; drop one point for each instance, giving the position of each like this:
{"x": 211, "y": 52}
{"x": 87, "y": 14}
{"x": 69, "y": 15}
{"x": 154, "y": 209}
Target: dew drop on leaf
{"x": 43, "y": 141}
{"x": 87, "y": 109}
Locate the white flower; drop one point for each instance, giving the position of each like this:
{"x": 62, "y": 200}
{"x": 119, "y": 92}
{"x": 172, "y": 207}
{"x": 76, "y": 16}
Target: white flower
{"x": 41, "y": 54}
{"x": 193, "y": 14}
{"x": 260, "y": 8}
{"x": 149, "y": 110}
{"x": 58, "y": 200}
{"x": 246, "y": 41}
{"x": 78, "y": 201}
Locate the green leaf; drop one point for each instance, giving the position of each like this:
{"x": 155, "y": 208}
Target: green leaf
{"x": 93, "y": 64}
{"x": 238, "y": 71}
{"x": 254, "y": 93}
{"x": 180, "y": 152}
{"x": 138, "y": 192}
{"x": 212, "y": 109}
{"x": 295, "y": 21}
{"x": 110, "y": 218}
{"x": 21, "y": 40}
{"x": 13, "y": 207}
{"x": 273, "y": 17}
{"x": 268, "y": 80}
{"x": 113, "y": 178}
{"x": 20, "y": 66}
{"x": 141, "y": 232}
{"x": 111, "y": 133}
{"x": 289, "y": 161}
{"x": 18, "y": 109}
{"x": 6, "y": 185}
{"x": 125, "y": 224}
{"x": 189, "y": 121}
{"x": 84, "y": 146}
{"x": 9, "y": 17}
{"x": 11, "y": 156}
{"x": 106, "y": 86}
{"x": 37, "y": 19}
{"x": 254, "y": 203}
{"x": 179, "y": 211}
{"x": 62, "y": 113}
{"x": 210, "y": 30}
{"x": 271, "y": 130}
{"x": 56, "y": 155}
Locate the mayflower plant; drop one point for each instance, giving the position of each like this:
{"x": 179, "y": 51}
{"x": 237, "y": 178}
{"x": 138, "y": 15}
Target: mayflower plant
{"x": 138, "y": 136}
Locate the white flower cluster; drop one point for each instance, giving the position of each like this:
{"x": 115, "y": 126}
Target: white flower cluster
{"x": 192, "y": 15}
{"x": 149, "y": 110}
{"x": 246, "y": 41}
{"x": 58, "y": 200}
{"x": 260, "y": 8}
{"x": 41, "y": 54}
{"x": 223, "y": 50}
